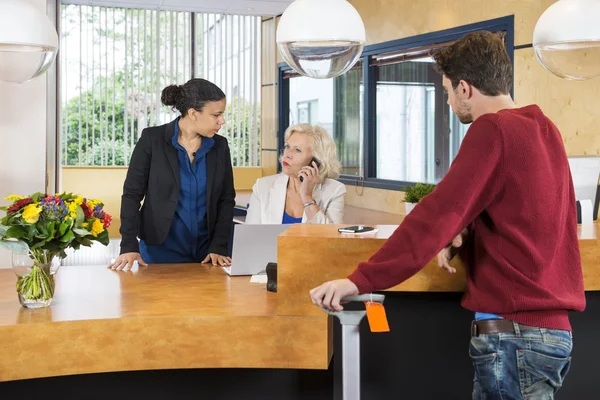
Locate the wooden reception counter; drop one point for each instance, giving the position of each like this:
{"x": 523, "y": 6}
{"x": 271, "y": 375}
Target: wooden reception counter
{"x": 196, "y": 316}
{"x": 311, "y": 254}
{"x": 162, "y": 317}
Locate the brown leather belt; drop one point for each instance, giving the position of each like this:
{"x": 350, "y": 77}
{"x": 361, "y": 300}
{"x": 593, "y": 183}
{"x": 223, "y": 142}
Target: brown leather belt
{"x": 496, "y": 326}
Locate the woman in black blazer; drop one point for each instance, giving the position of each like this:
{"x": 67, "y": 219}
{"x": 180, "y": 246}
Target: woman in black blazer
{"x": 182, "y": 171}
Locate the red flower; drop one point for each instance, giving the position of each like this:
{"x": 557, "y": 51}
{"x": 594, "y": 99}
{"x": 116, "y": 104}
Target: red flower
{"x": 19, "y": 204}
{"x": 106, "y": 220}
{"x": 87, "y": 211}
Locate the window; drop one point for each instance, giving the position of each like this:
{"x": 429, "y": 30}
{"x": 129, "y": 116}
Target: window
{"x": 334, "y": 104}
{"x": 308, "y": 112}
{"x": 396, "y": 97}
{"x": 406, "y": 121}
{"x": 116, "y": 61}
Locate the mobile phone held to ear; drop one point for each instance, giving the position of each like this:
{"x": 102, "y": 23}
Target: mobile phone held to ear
{"x": 310, "y": 165}
{"x": 356, "y": 229}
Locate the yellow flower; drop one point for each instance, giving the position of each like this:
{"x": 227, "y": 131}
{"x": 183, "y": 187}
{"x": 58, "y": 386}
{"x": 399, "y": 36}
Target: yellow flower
{"x": 79, "y": 200}
{"x": 31, "y": 213}
{"x": 14, "y": 197}
{"x": 97, "y": 227}
{"x": 84, "y": 224}
{"x": 93, "y": 203}
{"x": 73, "y": 209}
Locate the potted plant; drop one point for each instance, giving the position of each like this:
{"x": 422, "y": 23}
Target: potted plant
{"x": 38, "y": 229}
{"x": 414, "y": 194}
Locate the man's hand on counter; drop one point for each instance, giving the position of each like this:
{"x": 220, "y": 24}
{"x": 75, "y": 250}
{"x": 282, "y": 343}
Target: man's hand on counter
{"x": 330, "y": 294}
{"x": 448, "y": 253}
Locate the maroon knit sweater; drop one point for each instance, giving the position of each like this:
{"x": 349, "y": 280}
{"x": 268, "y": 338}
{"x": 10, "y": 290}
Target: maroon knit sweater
{"x": 510, "y": 184}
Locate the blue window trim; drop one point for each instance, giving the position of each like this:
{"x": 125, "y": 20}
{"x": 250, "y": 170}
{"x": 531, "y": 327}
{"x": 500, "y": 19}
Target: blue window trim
{"x": 370, "y": 85}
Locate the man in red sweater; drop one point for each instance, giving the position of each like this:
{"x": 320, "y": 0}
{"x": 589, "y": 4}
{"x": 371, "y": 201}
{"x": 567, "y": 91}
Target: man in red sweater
{"x": 508, "y": 202}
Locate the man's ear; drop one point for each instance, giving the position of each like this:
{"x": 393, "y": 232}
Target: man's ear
{"x": 464, "y": 89}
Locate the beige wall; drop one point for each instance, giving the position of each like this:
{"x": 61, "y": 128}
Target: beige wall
{"x": 22, "y": 139}
{"x": 571, "y": 105}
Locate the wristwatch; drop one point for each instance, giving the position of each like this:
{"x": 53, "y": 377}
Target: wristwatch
{"x": 310, "y": 203}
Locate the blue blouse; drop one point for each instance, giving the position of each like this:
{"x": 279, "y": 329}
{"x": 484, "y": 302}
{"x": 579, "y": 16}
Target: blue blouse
{"x": 290, "y": 220}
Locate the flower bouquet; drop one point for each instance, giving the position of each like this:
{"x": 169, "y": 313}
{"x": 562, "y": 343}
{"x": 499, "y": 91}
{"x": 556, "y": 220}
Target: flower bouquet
{"x": 38, "y": 229}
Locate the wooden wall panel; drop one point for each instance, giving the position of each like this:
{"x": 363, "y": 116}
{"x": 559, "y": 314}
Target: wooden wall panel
{"x": 269, "y": 163}
{"x": 269, "y": 50}
{"x": 375, "y": 199}
{"x": 269, "y": 117}
{"x": 572, "y": 105}
{"x": 395, "y": 19}
{"x": 269, "y": 97}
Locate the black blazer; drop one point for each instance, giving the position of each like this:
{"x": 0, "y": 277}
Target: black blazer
{"x": 153, "y": 176}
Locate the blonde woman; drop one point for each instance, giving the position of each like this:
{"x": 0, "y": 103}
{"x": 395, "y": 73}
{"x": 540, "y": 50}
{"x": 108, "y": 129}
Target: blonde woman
{"x": 306, "y": 189}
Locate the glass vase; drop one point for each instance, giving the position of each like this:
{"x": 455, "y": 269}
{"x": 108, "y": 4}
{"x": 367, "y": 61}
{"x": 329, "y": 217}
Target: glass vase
{"x": 35, "y": 277}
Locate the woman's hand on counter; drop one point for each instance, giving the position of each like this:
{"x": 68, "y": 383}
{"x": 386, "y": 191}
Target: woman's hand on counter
{"x": 217, "y": 259}
{"x": 330, "y": 294}
{"x": 125, "y": 261}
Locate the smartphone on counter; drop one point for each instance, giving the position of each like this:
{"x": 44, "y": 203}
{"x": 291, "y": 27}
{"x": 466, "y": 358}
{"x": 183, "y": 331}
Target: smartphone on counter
{"x": 356, "y": 229}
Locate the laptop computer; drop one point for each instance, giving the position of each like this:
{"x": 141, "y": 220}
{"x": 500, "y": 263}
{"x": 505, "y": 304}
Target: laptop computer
{"x": 254, "y": 246}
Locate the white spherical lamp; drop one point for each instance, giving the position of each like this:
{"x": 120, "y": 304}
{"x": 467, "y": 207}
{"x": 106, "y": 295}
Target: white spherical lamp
{"x": 566, "y": 39}
{"x": 321, "y": 38}
{"x": 28, "y": 41}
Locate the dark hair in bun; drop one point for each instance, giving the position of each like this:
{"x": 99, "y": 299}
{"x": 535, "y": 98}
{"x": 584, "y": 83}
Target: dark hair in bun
{"x": 193, "y": 94}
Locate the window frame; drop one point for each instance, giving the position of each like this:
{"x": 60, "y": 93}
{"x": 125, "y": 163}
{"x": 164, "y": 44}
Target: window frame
{"x": 369, "y": 166}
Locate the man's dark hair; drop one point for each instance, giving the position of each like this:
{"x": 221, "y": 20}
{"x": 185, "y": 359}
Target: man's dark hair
{"x": 480, "y": 59}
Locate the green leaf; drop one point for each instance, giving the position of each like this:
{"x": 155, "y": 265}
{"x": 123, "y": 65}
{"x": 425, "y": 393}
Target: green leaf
{"x": 103, "y": 238}
{"x": 16, "y": 246}
{"x": 67, "y": 196}
{"x": 37, "y": 197}
{"x": 81, "y": 231}
{"x": 68, "y": 237}
{"x": 3, "y": 230}
{"x": 13, "y": 219}
{"x": 4, "y": 208}
{"x": 16, "y": 232}
{"x": 414, "y": 194}
{"x": 63, "y": 228}
{"x": 38, "y": 245}
{"x": 80, "y": 216}
{"x": 31, "y": 231}
{"x": 51, "y": 230}
{"x": 85, "y": 242}
{"x": 43, "y": 228}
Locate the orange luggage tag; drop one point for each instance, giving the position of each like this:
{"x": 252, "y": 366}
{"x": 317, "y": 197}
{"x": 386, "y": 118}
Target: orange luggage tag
{"x": 376, "y": 317}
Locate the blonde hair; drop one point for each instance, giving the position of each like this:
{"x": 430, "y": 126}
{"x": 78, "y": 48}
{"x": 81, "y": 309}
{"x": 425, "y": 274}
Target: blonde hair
{"x": 322, "y": 147}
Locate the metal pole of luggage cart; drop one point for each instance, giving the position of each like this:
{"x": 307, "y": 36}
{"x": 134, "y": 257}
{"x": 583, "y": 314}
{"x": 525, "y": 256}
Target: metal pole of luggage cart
{"x": 350, "y": 321}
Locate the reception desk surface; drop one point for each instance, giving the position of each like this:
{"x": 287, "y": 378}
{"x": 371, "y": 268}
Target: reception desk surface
{"x": 196, "y": 316}
{"x": 161, "y": 317}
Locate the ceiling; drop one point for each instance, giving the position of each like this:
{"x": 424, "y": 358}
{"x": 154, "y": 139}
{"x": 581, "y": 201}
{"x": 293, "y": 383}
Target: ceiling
{"x": 241, "y": 7}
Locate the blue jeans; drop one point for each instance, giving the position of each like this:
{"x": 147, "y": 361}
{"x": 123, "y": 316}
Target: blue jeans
{"x": 520, "y": 365}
